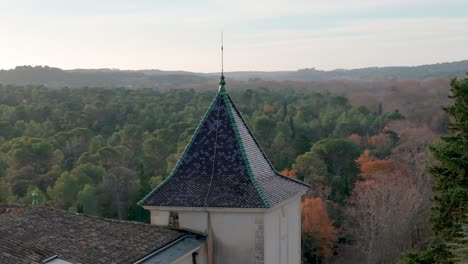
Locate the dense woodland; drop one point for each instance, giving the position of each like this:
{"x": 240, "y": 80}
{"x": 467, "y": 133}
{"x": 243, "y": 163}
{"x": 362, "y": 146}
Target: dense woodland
{"x": 364, "y": 151}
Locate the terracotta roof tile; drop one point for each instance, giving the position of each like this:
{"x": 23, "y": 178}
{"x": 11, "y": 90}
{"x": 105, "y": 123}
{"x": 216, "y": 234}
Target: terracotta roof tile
{"x": 32, "y": 234}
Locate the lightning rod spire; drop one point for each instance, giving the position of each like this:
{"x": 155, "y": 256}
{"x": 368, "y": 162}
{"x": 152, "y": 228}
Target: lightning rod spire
{"x": 222, "y": 53}
{"x": 222, "y": 82}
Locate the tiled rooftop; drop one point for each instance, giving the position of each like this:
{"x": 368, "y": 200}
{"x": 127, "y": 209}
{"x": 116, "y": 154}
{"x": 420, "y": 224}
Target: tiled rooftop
{"x": 33, "y": 234}
{"x": 224, "y": 166}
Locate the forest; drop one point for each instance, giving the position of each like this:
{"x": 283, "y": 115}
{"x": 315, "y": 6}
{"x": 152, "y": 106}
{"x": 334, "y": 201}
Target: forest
{"x": 364, "y": 147}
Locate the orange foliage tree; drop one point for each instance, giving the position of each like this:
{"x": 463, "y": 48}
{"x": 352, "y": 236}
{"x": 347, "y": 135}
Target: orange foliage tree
{"x": 289, "y": 173}
{"x": 319, "y": 234}
{"x": 355, "y": 138}
{"x": 267, "y": 108}
{"x": 371, "y": 167}
{"x": 390, "y": 205}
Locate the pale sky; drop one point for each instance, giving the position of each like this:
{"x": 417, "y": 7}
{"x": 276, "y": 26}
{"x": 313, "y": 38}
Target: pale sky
{"x": 258, "y": 34}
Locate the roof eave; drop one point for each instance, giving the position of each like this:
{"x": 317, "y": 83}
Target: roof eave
{"x": 225, "y": 209}
{"x": 203, "y": 209}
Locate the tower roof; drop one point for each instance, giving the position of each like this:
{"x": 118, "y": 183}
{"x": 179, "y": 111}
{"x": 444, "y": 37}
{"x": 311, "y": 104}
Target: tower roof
{"x": 223, "y": 166}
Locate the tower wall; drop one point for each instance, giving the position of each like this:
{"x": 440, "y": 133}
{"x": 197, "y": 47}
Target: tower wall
{"x": 194, "y": 220}
{"x": 245, "y": 236}
{"x": 283, "y": 234}
{"x": 236, "y": 237}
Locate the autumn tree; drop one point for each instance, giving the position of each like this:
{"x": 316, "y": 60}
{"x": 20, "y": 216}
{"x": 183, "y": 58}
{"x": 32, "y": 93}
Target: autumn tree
{"x": 289, "y": 173}
{"x": 413, "y": 151}
{"x": 355, "y": 138}
{"x": 318, "y": 232}
{"x": 380, "y": 213}
{"x": 371, "y": 166}
{"x": 391, "y": 203}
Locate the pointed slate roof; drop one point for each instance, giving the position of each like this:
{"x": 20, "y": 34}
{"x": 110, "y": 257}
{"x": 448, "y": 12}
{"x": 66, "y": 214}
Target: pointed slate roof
{"x": 223, "y": 166}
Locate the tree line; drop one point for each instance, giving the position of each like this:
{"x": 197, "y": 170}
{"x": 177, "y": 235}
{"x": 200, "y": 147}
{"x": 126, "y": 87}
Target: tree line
{"x": 99, "y": 151}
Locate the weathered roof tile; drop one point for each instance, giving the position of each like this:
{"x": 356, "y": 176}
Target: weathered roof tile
{"x": 33, "y": 234}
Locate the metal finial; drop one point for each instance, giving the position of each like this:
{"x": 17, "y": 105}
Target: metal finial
{"x": 35, "y": 201}
{"x": 222, "y": 82}
{"x": 222, "y": 53}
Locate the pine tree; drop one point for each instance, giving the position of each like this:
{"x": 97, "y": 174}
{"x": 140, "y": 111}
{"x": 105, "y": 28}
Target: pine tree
{"x": 459, "y": 247}
{"x": 450, "y": 184}
{"x": 451, "y": 170}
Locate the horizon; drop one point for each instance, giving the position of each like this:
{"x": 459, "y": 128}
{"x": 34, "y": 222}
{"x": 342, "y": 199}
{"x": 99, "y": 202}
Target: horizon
{"x": 252, "y": 70}
{"x": 185, "y": 35}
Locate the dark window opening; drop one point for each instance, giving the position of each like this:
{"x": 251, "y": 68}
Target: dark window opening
{"x": 174, "y": 219}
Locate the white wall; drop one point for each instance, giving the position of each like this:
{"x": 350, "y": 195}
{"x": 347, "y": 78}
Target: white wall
{"x": 235, "y": 237}
{"x": 293, "y": 212}
{"x": 235, "y": 233}
{"x": 272, "y": 239}
{"x": 247, "y": 237}
{"x": 159, "y": 217}
{"x": 283, "y": 234}
{"x": 194, "y": 220}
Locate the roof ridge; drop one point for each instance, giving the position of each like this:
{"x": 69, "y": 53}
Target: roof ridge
{"x": 187, "y": 147}
{"x": 13, "y": 211}
{"x": 260, "y": 148}
{"x": 244, "y": 155}
{"x": 214, "y": 156}
{"x": 28, "y": 208}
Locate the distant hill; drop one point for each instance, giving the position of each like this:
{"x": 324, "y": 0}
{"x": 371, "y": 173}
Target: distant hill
{"x": 448, "y": 69}
{"x": 55, "y": 77}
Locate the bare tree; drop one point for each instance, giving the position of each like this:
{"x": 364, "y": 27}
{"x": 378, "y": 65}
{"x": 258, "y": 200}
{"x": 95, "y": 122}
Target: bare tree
{"x": 388, "y": 213}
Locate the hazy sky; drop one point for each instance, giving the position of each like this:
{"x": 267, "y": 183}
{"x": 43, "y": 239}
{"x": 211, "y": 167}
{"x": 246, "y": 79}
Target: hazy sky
{"x": 258, "y": 34}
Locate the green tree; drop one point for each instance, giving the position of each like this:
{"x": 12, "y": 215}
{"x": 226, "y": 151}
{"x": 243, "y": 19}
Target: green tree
{"x": 459, "y": 247}
{"x": 88, "y": 199}
{"x": 311, "y": 168}
{"x": 434, "y": 253}
{"x": 264, "y": 128}
{"x": 30, "y": 161}
{"x": 450, "y": 172}
{"x": 339, "y": 156}
{"x": 118, "y": 192}
{"x": 72, "y": 143}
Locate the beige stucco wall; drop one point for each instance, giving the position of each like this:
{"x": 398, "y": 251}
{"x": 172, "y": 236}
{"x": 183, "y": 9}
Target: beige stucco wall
{"x": 194, "y": 220}
{"x": 235, "y": 237}
{"x": 246, "y": 236}
{"x": 283, "y": 234}
{"x": 159, "y": 217}
{"x": 234, "y": 233}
